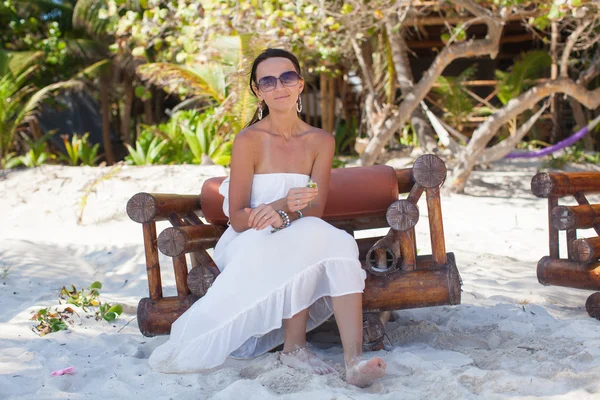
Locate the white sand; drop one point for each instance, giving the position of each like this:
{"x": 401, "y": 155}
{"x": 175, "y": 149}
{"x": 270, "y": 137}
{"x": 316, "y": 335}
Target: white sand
{"x": 510, "y": 338}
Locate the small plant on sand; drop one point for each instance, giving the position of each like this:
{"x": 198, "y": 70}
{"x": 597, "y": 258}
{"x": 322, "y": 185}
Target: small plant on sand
{"x": 4, "y": 271}
{"x": 89, "y": 298}
{"x": 52, "y": 321}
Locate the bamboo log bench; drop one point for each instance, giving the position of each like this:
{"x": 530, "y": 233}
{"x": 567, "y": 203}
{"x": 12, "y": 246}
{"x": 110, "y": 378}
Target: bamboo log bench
{"x": 581, "y": 268}
{"x": 359, "y": 198}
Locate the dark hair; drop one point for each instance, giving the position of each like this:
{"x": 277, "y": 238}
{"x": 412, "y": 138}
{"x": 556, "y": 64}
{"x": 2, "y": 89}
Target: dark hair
{"x": 269, "y": 53}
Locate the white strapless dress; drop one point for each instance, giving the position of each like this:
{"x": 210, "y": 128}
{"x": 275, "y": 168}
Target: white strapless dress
{"x": 265, "y": 278}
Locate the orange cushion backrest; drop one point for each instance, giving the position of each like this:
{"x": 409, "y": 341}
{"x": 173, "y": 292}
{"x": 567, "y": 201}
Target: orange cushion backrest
{"x": 353, "y": 192}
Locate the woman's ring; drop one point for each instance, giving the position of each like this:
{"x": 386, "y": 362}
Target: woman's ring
{"x": 297, "y": 202}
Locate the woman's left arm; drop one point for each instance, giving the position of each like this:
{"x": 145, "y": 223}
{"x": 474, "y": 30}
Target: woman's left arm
{"x": 321, "y": 174}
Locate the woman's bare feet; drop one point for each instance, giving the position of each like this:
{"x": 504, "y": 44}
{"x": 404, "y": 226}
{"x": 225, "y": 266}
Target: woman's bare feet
{"x": 303, "y": 358}
{"x": 363, "y": 373}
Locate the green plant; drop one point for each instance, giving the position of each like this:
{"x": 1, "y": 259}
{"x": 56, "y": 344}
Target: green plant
{"x": 89, "y": 298}
{"x": 83, "y": 298}
{"x": 10, "y": 160}
{"x": 521, "y": 76}
{"x": 572, "y": 154}
{"x": 176, "y": 150}
{"x": 345, "y": 135}
{"x": 37, "y": 153}
{"x": 207, "y": 135}
{"x": 408, "y": 136}
{"x": 457, "y": 102}
{"x": 149, "y": 149}
{"x": 79, "y": 150}
{"x": 108, "y": 312}
{"x": 52, "y": 321}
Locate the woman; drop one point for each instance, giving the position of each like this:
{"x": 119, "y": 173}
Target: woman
{"x": 284, "y": 270}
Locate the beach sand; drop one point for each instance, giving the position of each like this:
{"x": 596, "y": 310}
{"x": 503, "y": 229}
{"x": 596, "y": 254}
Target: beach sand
{"x": 510, "y": 338}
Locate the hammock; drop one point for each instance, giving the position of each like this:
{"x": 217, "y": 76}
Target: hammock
{"x": 444, "y": 136}
{"x": 558, "y": 146}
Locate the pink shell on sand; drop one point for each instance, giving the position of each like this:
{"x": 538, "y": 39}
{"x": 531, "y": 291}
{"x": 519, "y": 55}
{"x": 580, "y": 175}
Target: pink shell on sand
{"x": 69, "y": 370}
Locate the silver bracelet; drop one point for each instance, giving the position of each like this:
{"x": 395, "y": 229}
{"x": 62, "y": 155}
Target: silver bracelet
{"x": 285, "y": 218}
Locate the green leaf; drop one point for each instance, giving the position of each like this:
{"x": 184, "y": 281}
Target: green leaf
{"x": 554, "y": 12}
{"x": 110, "y": 316}
{"x": 96, "y": 285}
{"x": 117, "y": 309}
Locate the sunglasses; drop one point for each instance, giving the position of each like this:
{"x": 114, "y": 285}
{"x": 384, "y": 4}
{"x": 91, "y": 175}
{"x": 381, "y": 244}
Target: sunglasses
{"x": 268, "y": 83}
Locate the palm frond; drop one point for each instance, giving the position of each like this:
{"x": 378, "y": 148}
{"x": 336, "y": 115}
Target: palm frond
{"x": 87, "y": 16}
{"x": 244, "y": 103}
{"x": 36, "y": 100}
{"x": 17, "y": 61}
{"x": 530, "y": 66}
{"x": 200, "y": 80}
{"x": 101, "y": 68}
{"x": 87, "y": 50}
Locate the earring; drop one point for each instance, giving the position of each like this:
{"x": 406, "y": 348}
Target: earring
{"x": 260, "y": 110}
{"x": 299, "y": 104}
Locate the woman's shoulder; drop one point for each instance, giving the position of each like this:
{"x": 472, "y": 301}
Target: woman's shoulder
{"x": 247, "y": 135}
{"x": 316, "y": 133}
{"x": 320, "y": 137}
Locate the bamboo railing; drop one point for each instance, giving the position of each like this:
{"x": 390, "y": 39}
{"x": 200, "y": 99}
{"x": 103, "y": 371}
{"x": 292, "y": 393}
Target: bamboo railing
{"x": 397, "y": 277}
{"x": 581, "y": 268}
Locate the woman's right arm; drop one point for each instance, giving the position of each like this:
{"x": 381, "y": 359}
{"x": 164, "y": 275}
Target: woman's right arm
{"x": 240, "y": 180}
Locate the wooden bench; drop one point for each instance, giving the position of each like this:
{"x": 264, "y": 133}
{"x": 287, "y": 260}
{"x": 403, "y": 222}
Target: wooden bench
{"x": 359, "y": 198}
{"x": 581, "y": 268}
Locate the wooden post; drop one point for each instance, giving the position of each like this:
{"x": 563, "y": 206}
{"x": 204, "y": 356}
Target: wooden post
{"x": 592, "y": 305}
{"x": 152, "y": 264}
{"x": 181, "y": 275}
{"x": 146, "y": 207}
{"x": 560, "y": 272}
{"x": 583, "y": 201}
{"x": 586, "y": 250}
{"x": 412, "y": 289}
{"x": 156, "y": 317}
{"x": 552, "y": 231}
{"x": 187, "y": 239}
{"x": 436, "y": 227}
{"x": 575, "y": 217}
{"x": 407, "y": 249}
{"x": 405, "y": 180}
{"x": 561, "y": 184}
{"x": 382, "y": 258}
{"x": 415, "y": 193}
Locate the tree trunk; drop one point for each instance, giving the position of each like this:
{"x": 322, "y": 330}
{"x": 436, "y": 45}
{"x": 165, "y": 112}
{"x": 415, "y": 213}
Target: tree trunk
{"x": 105, "y": 111}
{"x": 487, "y": 130}
{"x": 395, "y": 119}
{"x": 581, "y": 122}
{"x": 405, "y": 79}
{"x": 126, "y": 116}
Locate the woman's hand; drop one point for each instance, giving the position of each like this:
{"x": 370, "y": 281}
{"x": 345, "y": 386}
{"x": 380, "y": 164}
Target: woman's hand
{"x": 299, "y": 198}
{"x": 263, "y": 216}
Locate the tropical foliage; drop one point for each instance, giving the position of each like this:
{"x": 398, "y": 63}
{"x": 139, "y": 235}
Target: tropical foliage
{"x": 171, "y": 76}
